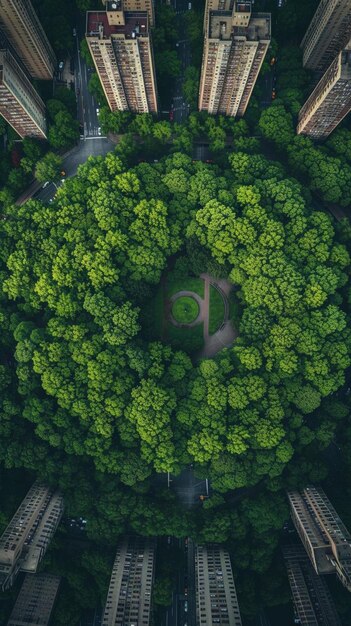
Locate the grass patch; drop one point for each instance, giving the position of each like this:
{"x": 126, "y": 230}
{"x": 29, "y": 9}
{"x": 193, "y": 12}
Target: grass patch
{"x": 216, "y": 311}
{"x": 173, "y": 285}
{"x": 185, "y": 310}
{"x": 235, "y": 309}
{"x": 155, "y": 328}
{"x": 187, "y": 339}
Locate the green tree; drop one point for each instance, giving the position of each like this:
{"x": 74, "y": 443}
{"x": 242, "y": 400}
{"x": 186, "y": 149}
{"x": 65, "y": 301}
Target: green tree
{"x": 48, "y": 168}
{"x": 64, "y": 132}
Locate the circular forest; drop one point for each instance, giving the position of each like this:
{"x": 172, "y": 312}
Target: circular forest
{"x": 185, "y": 310}
{"x": 82, "y": 313}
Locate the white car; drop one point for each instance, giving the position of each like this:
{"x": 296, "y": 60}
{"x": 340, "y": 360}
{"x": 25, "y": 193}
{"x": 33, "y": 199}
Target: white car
{"x": 99, "y": 131}
{"x": 46, "y": 184}
{"x": 97, "y": 111}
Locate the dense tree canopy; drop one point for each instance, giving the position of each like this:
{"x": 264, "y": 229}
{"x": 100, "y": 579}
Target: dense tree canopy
{"x": 77, "y": 274}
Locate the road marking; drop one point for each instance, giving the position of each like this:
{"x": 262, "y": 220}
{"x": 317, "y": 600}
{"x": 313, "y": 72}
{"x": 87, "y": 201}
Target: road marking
{"x": 98, "y": 137}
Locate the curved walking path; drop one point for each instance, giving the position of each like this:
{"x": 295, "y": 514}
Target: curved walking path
{"x": 226, "y": 334}
{"x": 199, "y": 300}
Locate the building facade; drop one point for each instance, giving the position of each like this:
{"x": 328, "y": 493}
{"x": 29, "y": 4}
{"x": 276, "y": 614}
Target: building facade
{"x": 20, "y": 105}
{"x": 129, "y": 596}
{"x": 216, "y": 600}
{"x": 35, "y": 601}
{"x": 328, "y": 33}
{"x": 330, "y": 101}
{"x": 235, "y": 45}
{"x": 22, "y": 28}
{"x": 120, "y": 44}
{"x": 325, "y": 538}
{"x": 313, "y": 604}
{"x": 26, "y": 538}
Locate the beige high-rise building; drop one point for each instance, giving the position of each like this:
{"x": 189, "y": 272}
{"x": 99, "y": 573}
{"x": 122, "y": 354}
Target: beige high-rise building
{"x": 325, "y": 538}
{"x": 328, "y": 33}
{"x": 216, "y": 600}
{"x": 120, "y": 44}
{"x": 312, "y": 601}
{"x": 20, "y": 105}
{"x": 129, "y": 596}
{"x": 35, "y": 601}
{"x": 26, "y": 538}
{"x": 235, "y": 45}
{"x": 22, "y": 28}
{"x": 330, "y": 101}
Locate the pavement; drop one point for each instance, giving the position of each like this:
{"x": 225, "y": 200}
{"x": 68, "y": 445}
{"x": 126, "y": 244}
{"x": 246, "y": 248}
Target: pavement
{"x": 182, "y": 611}
{"x": 87, "y": 147}
{"x": 179, "y": 107}
{"x": 188, "y": 487}
{"x": 87, "y": 105}
{"x": 226, "y": 334}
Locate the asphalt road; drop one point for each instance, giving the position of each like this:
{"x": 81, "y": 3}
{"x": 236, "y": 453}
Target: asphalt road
{"x": 179, "y": 106}
{"x": 188, "y": 487}
{"x": 179, "y": 613}
{"x": 182, "y": 612}
{"x": 87, "y": 105}
{"x": 86, "y": 147}
{"x": 267, "y": 87}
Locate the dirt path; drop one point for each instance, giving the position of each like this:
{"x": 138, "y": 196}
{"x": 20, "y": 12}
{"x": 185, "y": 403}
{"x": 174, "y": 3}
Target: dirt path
{"x": 226, "y": 334}
{"x": 197, "y": 298}
{"x": 206, "y": 304}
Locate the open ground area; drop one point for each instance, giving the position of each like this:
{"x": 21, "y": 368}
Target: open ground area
{"x": 194, "y": 314}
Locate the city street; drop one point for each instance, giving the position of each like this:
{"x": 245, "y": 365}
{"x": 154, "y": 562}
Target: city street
{"x": 86, "y": 147}
{"x": 179, "y": 106}
{"x": 87, "y": 105}
{"x": 182, "y": 610}
{"x": 188, "y": 487}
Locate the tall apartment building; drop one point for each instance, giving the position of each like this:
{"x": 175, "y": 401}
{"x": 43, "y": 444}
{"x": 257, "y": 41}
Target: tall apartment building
{"x": 20, "y": 105}
{"x": 325, "y": 538}
{"x": 129, "y": 596}
{"x": 26, "y": 538}
{"x": 22, "y": 28}
{"x": 330, "y": 101}
{"x": 35, "y": 601}
{"x": 236, "y": 42}
{"x": 120, "y": 44}
{"x": 328, "y": 33}
{"x": 312, "y": 601}
{"x": 216, "y": 600}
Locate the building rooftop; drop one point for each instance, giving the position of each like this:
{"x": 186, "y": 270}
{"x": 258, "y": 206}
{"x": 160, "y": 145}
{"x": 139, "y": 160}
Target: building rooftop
{"x": 136, "y": 25}
{"x": 221, "y": 26}
{"x": 259, "y": 27}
